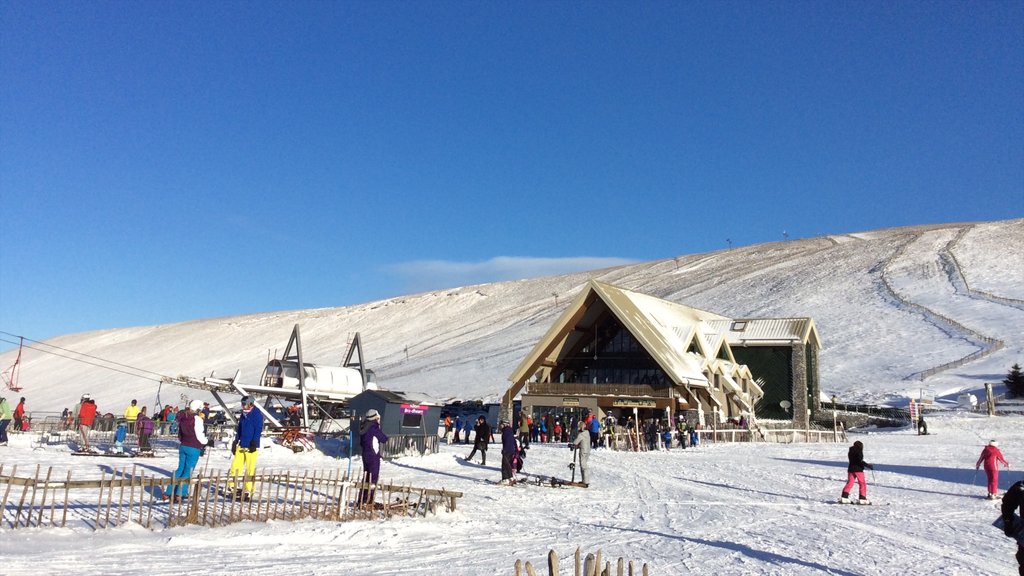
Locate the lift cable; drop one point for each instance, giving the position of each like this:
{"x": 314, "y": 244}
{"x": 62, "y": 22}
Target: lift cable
{"x": 101, "y": 362}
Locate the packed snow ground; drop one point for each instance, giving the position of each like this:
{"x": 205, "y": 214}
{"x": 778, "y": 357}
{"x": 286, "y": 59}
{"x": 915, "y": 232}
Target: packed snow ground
{"x": 717, "y": 509}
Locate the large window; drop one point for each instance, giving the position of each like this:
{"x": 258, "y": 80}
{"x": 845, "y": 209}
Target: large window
{"x": 412, "y": 420}
{"x": 612, "y": 356}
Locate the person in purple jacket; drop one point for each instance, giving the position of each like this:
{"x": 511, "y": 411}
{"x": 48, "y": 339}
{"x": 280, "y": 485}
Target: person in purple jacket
{"x": 193, "y": 445}
{"x": 508, "y": 452}
{"x": 371, "y": 440}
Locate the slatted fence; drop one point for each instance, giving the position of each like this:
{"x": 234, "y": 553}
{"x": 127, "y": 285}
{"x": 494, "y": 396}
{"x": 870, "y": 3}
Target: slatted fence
{"x": 131, "y": 495}
{"x": 589, "y": 566}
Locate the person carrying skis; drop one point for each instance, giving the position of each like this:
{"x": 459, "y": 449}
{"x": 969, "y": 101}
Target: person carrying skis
{"x": 1012, "y": 511}
{"x": 582, "y": 443}
{"x": 371, "y": 440}
{"x": 193, "y": 445}
{"x": 483, "y": 438}
{"x": 508, "y": 452}
{"x": 991, "y": 457}
{"x": 246, "y": 446}
{"x": 855, "y": 472}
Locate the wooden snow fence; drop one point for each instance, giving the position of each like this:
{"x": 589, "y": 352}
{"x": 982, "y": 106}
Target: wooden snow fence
{"x": 589, "y": 566}
{"x": 132, "y": 495}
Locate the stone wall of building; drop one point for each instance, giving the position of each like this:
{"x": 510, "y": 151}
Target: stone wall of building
{"x": 801, "y": 419}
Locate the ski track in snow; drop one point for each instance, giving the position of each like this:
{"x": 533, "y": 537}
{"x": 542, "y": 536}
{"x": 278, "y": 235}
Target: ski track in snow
{"x": 755, "y": 509}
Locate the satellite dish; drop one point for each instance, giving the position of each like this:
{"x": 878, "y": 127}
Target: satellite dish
{"x": 785, "y": 405}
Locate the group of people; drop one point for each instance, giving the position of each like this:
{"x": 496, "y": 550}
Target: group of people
{"x": 193, "y": 442}
{"x": 21, "y": 422}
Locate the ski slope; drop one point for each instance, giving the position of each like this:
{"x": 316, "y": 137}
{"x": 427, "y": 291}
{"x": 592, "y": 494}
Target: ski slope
{"x": 890, "y": 306}
{"x": 750, "y": 509}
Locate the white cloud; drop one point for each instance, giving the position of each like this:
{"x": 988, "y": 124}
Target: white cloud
{"x": 422, "y": 275}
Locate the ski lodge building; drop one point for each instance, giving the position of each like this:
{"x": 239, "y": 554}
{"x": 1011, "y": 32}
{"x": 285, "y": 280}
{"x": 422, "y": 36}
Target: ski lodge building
{"x": 618, "y": 352}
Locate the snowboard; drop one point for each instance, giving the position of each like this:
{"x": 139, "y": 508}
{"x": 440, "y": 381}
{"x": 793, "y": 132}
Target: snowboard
{"x": 1018, "y": 534}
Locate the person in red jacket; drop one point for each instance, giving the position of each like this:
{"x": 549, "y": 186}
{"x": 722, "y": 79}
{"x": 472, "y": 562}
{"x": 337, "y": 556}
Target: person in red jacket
{"x": 86, "y": 417}
{"x": 19, "y": 416}
{"x": 991, "y": 457}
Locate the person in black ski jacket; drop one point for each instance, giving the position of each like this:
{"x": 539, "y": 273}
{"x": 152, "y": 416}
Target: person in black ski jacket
{"x": 483, "y": 438}
{"x": 1013, "y": 511}
{"x": 855, "y": 473}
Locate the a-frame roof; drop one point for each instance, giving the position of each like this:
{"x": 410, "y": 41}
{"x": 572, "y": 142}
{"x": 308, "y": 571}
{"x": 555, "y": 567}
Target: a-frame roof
{"x": 665, "y": 330}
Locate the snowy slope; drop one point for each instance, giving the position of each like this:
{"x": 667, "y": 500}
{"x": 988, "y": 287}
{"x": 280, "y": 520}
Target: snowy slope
{"x": 890, "y": 305}
{"x": 743, "y": 509}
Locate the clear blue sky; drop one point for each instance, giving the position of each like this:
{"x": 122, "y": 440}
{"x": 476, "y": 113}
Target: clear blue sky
{"x": 167, "y": 161}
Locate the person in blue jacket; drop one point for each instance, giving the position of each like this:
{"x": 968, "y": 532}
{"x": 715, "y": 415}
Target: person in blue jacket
{"x": 245, "y": 448}
{"x": 372, "y": 440}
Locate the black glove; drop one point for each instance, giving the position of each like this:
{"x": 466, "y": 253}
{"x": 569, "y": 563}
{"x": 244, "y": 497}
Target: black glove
{"x": 234, "y": 446}
{"x": 202, "y": 451}
{"x": 869, "y": 466}
{"x": 571, "y": 446}
{"x": 253, "y": 446}
{"x": 1009, "y": 528}
{"x": 211, "y": 442}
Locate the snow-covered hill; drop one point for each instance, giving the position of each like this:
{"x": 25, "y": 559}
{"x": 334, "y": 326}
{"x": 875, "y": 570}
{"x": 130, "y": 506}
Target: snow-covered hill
{"x": 892, "y": 306}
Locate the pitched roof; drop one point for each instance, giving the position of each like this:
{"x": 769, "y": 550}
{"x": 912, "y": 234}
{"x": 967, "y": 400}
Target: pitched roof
{"x": 764, "y": 331}
{"x": 665, "y": 329}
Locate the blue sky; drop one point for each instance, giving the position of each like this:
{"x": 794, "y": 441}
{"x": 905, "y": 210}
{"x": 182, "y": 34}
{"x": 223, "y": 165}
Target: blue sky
{"x": 167, "y": 161}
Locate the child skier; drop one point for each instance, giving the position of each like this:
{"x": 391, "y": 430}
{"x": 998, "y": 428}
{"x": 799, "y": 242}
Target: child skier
{"x": 855, "y": 472}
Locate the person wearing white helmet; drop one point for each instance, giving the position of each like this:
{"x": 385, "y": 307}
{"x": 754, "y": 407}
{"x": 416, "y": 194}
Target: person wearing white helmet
{"x": 991, "y": 457}
{"x": 371, "y": 440}
{"x": 193, "y": 445}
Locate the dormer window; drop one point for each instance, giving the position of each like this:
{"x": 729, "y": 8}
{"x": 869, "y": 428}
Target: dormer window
{"x": 738, "y": 326}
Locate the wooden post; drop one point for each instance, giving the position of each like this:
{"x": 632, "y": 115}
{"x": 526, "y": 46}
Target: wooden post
{"x": 120, "y": 497}
{"x": 553, "y": 563}
{"x": 67, "y": 488}
{"x": 99, "y": 502}
{"x": 579, "y": 563}
{"x": 42, "y": 503}
{"x": 3, "y": 505}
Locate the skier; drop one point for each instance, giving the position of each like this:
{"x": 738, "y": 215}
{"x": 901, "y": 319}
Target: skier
{"x": 483, "y": 438}
{"x": 458, "y": 430}
{"x": 508, "y": 451}
{"x": 582, "y": 443}
{"x": 855, "y": 472}
{"x": 193, "y": 445}
{"x": 524, "y": 429}
{"x": 371, "y": 440}
{"x": 5, "y": 420}
{"x": 86, "y": 417}
{"x": 144, "y": 428}
{"x": 19, "y": 416}
{"x": 245, "y": 447}
{"x": 131, "y": 415}
{"x": 119, "y": 435}
{"x": 595, "y": 431}
{"x": 1012, "y": 512}
{"x": 991, "y": 457}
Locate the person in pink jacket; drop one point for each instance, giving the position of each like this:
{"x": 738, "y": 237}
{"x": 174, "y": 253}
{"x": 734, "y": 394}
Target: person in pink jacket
{"x": 991, "y": 457}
